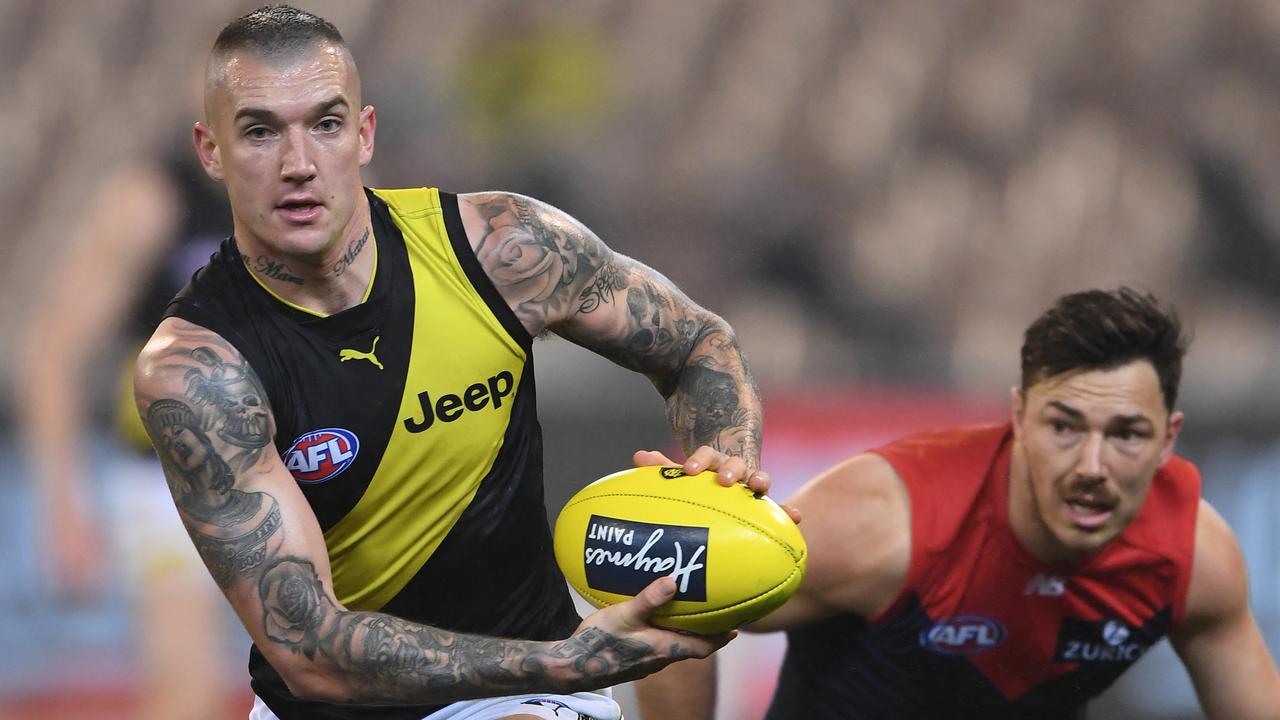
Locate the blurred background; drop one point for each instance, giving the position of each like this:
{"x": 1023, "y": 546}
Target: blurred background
{"x": 879, "y": 196}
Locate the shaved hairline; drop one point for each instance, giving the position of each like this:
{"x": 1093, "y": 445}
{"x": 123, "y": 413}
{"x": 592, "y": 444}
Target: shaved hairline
{"x": 280, "y": 57}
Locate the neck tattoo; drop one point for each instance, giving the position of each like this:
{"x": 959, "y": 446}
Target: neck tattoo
{"x": 349, "y": 257}
{"x": 275, "y": 270}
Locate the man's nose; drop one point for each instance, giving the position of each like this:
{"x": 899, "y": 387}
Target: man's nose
{"x": 1089, "y": 464}
{"x": 296, "y": 163}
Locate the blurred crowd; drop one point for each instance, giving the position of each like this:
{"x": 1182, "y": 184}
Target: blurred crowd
{"x": 888, "y": 188}
{"x": 881, "y": 191}
{"x": 874, "y": 193}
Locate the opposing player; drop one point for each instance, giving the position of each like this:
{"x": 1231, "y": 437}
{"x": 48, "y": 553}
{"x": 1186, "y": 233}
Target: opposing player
{"x": 343, "y": 401}
{"x": 1015, "y": 571}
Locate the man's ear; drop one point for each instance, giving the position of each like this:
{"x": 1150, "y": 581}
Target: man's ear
{"x": 207, "y": 150}
{"x": 1171, "y": 434}
{"x": 368, "y": 126}
{"x": 1017, "y": 409}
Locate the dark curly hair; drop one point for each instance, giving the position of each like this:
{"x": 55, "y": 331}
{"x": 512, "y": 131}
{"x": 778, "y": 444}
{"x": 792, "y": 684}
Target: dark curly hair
{"x": 1102, "y": 330}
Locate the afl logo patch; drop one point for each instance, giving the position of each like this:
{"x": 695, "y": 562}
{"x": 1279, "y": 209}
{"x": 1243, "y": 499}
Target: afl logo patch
{"x": 321, "y": 455}
{"x": 671, "y": 473}
{"x": 963, "y": 635}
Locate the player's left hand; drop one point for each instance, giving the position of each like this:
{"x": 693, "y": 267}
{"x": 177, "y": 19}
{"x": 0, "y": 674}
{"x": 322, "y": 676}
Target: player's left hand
{"x": 729, "y": 469}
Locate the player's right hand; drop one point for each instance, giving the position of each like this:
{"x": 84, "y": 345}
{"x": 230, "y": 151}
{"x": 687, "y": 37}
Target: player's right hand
{"x": 729, "y": 469}
{"x": 618, "y": 644}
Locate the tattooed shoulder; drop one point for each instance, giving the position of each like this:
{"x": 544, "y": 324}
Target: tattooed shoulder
{"x": 541, "y": 260}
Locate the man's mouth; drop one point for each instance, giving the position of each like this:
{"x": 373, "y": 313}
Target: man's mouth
{"x": 300, "y": 211}
{"x": 1089, "y": 512}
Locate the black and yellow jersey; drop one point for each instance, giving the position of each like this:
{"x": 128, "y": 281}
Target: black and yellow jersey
{"x": 409, "y": 422}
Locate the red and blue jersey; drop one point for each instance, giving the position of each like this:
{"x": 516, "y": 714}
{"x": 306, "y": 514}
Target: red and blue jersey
{"x": 981, "y": 628}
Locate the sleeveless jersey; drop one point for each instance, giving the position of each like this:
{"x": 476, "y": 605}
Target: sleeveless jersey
{"x": 982, "y": 629}
{"x": 409, "y": 422}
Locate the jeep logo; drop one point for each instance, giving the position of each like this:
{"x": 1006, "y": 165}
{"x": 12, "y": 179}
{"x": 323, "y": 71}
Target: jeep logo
{"x": 450, "y": 407}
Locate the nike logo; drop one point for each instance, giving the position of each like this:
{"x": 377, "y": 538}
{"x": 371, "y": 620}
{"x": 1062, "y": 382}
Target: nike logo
{"x": 1046, "y": 586}
{"x": 346, "y": 354}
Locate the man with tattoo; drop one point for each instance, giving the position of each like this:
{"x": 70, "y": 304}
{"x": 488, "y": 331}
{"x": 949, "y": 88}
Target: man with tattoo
{"x": 343, "y": 401}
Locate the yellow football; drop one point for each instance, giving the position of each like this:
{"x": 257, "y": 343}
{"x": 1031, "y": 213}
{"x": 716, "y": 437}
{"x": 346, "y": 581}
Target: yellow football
{"x": 734, "y": 556}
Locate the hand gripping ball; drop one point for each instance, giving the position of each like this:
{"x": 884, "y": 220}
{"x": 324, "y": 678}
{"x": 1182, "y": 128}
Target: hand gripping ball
{"x": 734, "y": 556}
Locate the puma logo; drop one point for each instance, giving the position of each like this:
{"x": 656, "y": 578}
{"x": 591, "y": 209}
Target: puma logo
{"x": 346, "y": 354}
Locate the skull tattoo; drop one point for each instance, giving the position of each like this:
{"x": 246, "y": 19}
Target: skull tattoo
{"x": 233, "y": 400}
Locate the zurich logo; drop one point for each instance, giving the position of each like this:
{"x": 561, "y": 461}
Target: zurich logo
{"x": 1101, "y": 641}
{"x": 1115, "y": 633}
{"x": 963, "y": 635}
{"x": 321, "y": 455}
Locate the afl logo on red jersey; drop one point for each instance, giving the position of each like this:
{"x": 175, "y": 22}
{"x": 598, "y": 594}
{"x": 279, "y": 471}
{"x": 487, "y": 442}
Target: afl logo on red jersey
{"x": 321, "y": 455}
{"x": 963, "y": 635}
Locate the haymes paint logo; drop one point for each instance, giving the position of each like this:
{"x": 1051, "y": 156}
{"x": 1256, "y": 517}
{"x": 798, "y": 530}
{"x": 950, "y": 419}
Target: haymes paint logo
{"x": 321, "y": 454}
{"x": 623, "y": 556}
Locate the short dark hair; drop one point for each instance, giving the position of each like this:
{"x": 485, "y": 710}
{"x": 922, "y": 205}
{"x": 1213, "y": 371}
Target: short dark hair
{"x": 275, "y": 30}
{"x": 1102, "y": 330}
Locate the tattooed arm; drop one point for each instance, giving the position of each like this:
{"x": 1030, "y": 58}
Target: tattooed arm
{"x": 212, "y": 426}
{"x": 557, "y": 275}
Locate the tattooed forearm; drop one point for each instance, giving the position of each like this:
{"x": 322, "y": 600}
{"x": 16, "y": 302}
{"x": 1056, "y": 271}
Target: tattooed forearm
{"x": 295, "y": 606}
{"x": 540, "y": 260}
{"x": 659, "y": 330}
{"x": 688, "y": 353}
{"x": 384, "y": 659}
{"x": 717, "y": 402}
{"x": 648, "y": 330}
{"x": 353, "y": 251}
{"x": 598, "y": 655}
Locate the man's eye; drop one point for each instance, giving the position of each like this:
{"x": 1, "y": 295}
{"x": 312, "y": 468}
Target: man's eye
{"x": 329, "y": 125}
{"x": 1127, "y": 435}
{"x": 257, "y": 132}
{"x": 1060, "y": 426}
